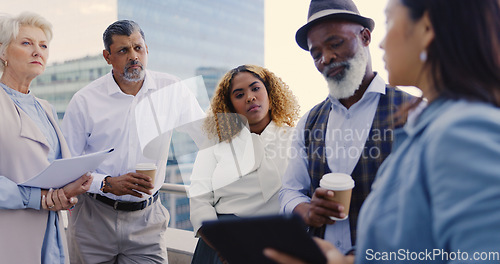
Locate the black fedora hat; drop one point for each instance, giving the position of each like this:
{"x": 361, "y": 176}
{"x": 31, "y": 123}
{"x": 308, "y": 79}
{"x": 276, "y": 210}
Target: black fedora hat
{"x": 320, "y": 10}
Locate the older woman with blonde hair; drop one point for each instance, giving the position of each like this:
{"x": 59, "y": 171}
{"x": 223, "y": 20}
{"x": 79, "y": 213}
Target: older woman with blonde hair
{"x": 250, "y": 122}
{"x": 30, "y": 138}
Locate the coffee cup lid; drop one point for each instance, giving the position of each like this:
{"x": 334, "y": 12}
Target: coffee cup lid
{"x": 145, "y": 166}
{"x": 337, "y": 181}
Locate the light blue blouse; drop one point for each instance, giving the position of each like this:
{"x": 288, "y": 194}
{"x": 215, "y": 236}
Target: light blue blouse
{"x": 26, "y": 197}
{"x": 437, "y": 196}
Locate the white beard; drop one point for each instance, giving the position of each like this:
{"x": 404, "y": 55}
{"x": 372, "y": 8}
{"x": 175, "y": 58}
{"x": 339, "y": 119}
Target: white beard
{"x": 347, "y": 83}
{"x": 134, "y": 76}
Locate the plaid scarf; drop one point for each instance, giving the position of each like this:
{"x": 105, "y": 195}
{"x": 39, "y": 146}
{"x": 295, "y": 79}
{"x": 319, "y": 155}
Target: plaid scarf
{"x": 377, "y": 147}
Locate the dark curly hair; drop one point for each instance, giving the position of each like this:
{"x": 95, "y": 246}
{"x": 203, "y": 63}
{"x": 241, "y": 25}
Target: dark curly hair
{"x": 284, "y": 108}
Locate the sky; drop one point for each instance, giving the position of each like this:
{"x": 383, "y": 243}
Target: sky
{"x": 68, "y": 17}
{"x": 282, "y": 54}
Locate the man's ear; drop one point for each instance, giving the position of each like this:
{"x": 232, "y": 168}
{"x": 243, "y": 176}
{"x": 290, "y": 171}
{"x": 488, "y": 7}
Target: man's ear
{"x": 366, "y": 36}
{"x": 106, "y": 54}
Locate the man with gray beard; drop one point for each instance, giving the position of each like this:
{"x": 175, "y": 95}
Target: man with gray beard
{"x": 120, "y": 220}
{"x": 349, "y": 132}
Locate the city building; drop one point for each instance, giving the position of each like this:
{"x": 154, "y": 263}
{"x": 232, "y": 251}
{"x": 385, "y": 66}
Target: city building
{"x": 211, "y": 77}
{"x": 61, "y": 81}
{"x": 184, "y": 35}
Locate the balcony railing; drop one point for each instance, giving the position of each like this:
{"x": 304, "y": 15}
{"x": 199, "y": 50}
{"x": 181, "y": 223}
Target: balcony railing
{"x": 173, "y": 188}
{"x": 180, "y": 243}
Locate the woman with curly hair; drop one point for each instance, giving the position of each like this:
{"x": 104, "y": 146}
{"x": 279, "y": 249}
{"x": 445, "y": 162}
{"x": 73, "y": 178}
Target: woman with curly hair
{"x": 250, "y": 118}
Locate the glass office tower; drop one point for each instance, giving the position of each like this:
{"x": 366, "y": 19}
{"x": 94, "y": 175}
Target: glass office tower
{"x": 183, "y": 35}
{"x": 61, "y": 81}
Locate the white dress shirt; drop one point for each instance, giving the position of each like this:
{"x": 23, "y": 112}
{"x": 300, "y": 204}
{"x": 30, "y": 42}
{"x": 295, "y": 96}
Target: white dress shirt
{"x": 246, "y": 183}
{"x": 101, "y": 116}
{"x": 347, "y": 131}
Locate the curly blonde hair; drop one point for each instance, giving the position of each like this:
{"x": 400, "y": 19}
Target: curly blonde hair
{"x": 284, "y": 107}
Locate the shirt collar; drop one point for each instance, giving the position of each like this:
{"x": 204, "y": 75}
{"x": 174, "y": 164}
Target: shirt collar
{"x": 428, "y": 115}
{"x": 377, "y": 85}
{"x": 269, "y": 131}
{"x": 113, "y": 87}
{"x": 15, "y": 93}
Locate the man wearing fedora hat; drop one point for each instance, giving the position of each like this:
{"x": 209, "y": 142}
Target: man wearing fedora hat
{"x": 350, "y": 131}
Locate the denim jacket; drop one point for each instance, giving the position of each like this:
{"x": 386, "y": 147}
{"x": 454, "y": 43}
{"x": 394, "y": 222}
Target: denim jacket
{"x": 436, "y": 198}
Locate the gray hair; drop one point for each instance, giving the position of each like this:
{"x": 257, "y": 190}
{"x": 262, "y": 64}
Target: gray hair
{"x": 122, "y": 28}
{"x": 9, "y": 28}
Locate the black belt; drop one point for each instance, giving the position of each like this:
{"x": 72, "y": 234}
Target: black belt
{"x": 125, "y": 206}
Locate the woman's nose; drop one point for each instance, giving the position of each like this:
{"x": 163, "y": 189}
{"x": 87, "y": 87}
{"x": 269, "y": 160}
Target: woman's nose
{"x": 250, "y": 98}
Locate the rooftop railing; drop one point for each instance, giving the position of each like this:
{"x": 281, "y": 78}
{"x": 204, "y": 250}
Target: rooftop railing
{"x": 180, "y": 243}
{"x": 173, "y": 188}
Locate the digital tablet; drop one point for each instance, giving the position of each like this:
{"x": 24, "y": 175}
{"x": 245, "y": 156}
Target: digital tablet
{"x": 242, "y": 240}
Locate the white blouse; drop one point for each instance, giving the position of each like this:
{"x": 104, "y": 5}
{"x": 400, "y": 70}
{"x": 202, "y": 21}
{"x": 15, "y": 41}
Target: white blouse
{"x": 242, "y": 177}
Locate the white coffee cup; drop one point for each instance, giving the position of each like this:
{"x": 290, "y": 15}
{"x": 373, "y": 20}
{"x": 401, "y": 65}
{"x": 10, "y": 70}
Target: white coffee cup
{"x": 148, "y": 169}
{"x": 341, "y": 184}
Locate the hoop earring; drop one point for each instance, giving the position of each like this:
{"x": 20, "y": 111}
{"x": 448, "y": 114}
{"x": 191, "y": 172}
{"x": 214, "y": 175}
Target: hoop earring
{"x": 423, "y": 56}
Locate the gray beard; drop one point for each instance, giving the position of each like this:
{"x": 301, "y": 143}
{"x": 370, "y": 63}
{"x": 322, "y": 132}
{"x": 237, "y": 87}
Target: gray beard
{"x": 135, "y": 75}
{"x": 345, "y": 84}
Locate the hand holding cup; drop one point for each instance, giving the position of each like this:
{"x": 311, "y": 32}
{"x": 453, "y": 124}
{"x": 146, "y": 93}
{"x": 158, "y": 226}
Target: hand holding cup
{"x": 148, "y": 169}
{"x": 341, "y": 184}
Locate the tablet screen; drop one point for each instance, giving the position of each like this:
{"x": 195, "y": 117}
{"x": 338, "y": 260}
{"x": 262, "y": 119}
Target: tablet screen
{"x": 243, "y": 240}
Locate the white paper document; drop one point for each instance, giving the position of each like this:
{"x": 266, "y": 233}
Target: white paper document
{"x": 63, "y": 171}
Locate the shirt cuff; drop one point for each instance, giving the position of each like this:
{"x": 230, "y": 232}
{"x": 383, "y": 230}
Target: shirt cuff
{"x": 34, "y": 199}
{"x": 288, "y": 209}
{"x": 351, "y": 251}
{"x": 200, "y": 216}
{"x": 95, "y": 187}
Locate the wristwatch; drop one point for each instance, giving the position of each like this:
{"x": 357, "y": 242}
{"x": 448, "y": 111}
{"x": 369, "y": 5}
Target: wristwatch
{"x": 105, "y": 183}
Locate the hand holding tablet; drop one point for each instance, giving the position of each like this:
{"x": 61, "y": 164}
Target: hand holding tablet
{"x": 243, "y": 240}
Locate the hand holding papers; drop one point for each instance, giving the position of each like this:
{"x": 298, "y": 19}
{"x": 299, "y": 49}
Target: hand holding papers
{"x": 63, "y": 171}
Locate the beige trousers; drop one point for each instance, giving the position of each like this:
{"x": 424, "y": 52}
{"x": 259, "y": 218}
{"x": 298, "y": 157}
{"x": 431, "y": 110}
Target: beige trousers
{"x": 99, "y": 234}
